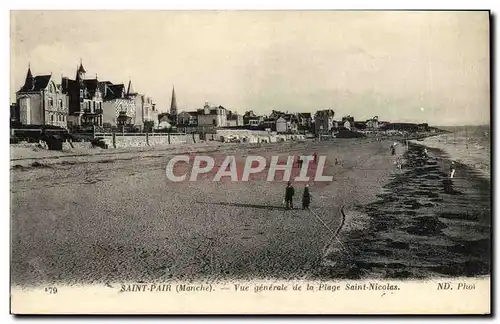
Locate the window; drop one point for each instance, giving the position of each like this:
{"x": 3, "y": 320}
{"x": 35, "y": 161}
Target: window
{"x": 51, "y": 102}
{"x": 215, "y": 122}
{"x": 51, "y": 118}
{"x": 60, "y": 103}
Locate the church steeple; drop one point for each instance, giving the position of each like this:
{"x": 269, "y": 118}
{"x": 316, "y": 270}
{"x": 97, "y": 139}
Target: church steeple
{"x": 173, "y": 104}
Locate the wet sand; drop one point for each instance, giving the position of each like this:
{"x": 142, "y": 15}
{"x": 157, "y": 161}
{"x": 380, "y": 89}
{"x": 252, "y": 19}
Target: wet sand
{"x": 117, "y": 219}
{"x": 423, "y": 225}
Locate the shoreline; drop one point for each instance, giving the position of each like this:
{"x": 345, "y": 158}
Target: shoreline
{"x": 445, "y": 223}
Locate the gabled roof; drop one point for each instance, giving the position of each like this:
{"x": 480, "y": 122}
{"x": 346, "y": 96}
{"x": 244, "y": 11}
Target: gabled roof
{"x": 91, "y": 85}
{"x": 40, "y": 82}
{"x": 192, "y": 113}
{"x": 114, "y": 91}
{"x": 326, "y": 112}
{"x": 165, "y": 117}
{"x": 250, "y": 113}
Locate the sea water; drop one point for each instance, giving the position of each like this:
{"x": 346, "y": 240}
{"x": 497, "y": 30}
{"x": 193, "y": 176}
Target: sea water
{"x": 469, "y": 145}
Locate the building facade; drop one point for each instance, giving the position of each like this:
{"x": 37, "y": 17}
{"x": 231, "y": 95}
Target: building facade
{"x": 41, "y": 102}
{"x": 188, "y": 118}
{"x": 14, "y": 113}
{"x": 85, "y": 100}
{"x": 234, "y": 119}
{"x": 304, "y": 120}
{"x": 372, "y": 124}
{"x": 212, "y": 116}
{"x": 252, "y": 119}
{"x": 281, "y": 125}
{"x": 149, "y": 112}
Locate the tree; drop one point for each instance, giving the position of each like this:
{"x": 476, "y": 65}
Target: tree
{"x": 148, "y": 126}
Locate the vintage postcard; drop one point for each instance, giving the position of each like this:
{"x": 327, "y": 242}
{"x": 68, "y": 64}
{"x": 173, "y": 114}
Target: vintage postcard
{"x": 250, "y": 162}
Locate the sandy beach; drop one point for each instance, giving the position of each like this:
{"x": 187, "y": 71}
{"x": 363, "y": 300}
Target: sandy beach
{"x": 113, "y": 217}
{"x": 117, "y": 218}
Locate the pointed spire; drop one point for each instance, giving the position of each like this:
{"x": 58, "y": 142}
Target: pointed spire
{"x": 77, "y": 77}
{"x": 29, "y": 75}
{"x": 130, "y": 88}
{"x": 173, "y": 103}
{"x": 29, "y": 82}
{"x": 80, "y": 68}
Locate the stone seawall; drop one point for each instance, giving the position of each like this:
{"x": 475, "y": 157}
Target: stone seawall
{"x": 144, "y": 140}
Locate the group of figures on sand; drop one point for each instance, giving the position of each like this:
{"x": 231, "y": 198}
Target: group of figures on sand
{"x": 290, "y": 193}
{"x": 306, "y": 195}
{"x": 399, "y": 161}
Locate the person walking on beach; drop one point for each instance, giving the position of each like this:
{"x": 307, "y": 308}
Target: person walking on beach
{"x": 399, "y": 163}
{"x": 393, "y": 149}
{"x": 315, "y": 156}
{"x": 306, "y": 198}
{"x": 289, "y": 193}
{"x": 452, "y": 170}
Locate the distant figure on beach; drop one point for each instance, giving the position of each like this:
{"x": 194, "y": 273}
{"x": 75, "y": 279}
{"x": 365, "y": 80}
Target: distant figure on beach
{"x": 289, "y": 193}
{"x": 399, "y": 163}
{"x": 452, "y": 170}
{"x": 393, "y": 150}
{"x": 337, "y": 161}
{"x": 306, "y": 198}
{"x": 425, "y": 153}
{"x": 315, "y": 156}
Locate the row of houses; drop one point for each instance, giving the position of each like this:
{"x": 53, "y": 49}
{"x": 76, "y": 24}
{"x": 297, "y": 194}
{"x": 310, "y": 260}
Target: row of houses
{"x": 86, "y": 102}
{"x": 218, "y": 117}
{"x": 81, "y": 102}
{"x": 322, "y": 122}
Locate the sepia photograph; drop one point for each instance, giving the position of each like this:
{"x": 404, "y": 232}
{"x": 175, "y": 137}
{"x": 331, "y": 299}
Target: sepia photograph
{"x": 250, "y": 162}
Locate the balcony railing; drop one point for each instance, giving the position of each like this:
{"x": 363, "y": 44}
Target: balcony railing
{"x": 89, "y": 111}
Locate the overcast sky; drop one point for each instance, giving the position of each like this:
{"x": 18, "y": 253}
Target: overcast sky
{"x": 402, "y": 66}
